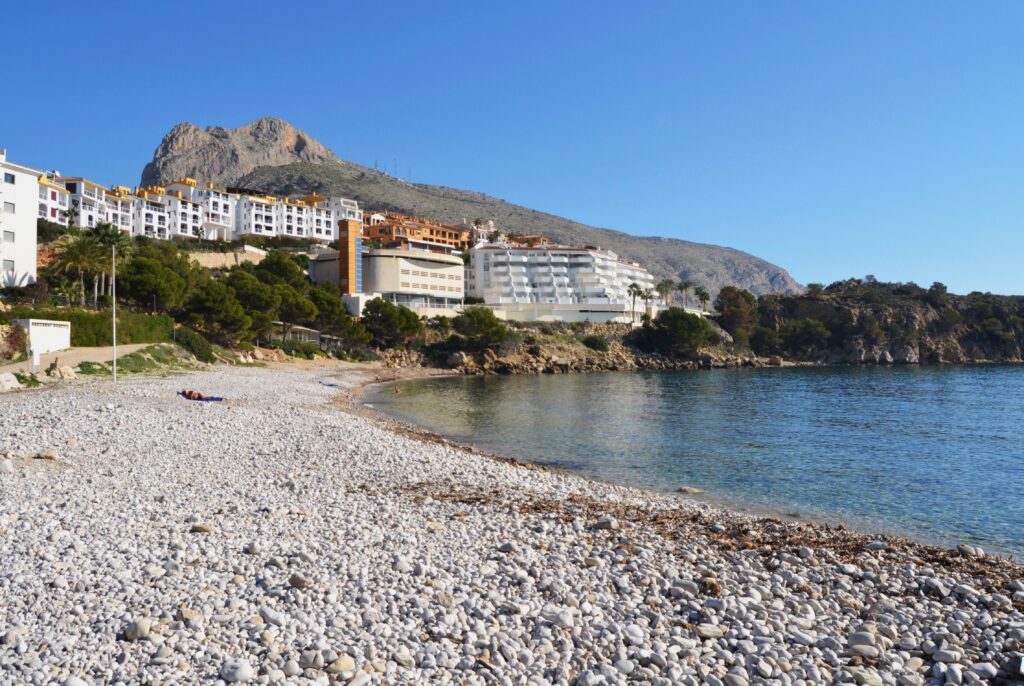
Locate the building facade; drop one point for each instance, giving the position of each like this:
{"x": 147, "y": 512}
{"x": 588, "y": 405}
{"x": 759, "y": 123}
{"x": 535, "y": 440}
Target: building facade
{"x": 385, "y": 227}
{"x": 555, "y": 283}
{"x": 120, "y": 208}
{"x": 428, "y": 283}
{"x": 150, "y": 215}
{"x": 19, "y": 208}
{"x": 54, "y": 200}
{"x": 88, "y": 201}
{"x": 216, "y": 207}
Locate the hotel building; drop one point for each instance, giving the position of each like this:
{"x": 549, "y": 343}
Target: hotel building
{"x": 385, "y": 227}
{"x": 19, "y": 208}
{"x": 554, "y": 283}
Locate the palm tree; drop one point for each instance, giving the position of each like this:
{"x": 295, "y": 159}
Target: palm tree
{"x": 109, "y": 236}
{"x": 71, "y": 214}
{"x": 684, "y": 287}
{"x": 647, "y": 295}
{"x": 79, "y": 255}
{"x": 702, "y": 295}
{"x": 634, "y": 291}
{"x": 665, "y": 288}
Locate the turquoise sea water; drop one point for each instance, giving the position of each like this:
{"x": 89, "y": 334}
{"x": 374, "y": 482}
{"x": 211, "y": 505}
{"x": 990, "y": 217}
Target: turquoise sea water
{"x": 934, "y": 453}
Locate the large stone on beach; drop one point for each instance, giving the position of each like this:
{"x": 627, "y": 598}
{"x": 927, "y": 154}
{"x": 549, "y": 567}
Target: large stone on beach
{"x": 9, "y": 382}
{"x": 236, "y": 671}
{"x": 710, "y": 631}
{"x": 138, "y": 630}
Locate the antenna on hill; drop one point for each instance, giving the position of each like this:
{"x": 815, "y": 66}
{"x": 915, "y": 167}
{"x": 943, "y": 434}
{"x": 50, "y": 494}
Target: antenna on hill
{"x": 394, "y": 167}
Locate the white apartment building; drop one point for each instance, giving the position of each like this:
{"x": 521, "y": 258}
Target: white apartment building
{"x": 19, "y": 197}
{"x": 54, "y": 200}
{"x": 255, "y": 216}
{"x": 554, "y": 283}
{"x": 120, "y": 208}
{"x": 184, "y": 215}
{"x": 323, "y": 223}
{"x": 150, "y": 214}
{"x": 293, "y": 218}
{"x": 218, "y": 207}
{"x": 88, "y": 198}
{"x": 345, "y": 209}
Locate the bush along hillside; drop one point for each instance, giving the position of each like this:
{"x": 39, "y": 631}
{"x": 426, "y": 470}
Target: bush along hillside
{"x": 864, "y": 321}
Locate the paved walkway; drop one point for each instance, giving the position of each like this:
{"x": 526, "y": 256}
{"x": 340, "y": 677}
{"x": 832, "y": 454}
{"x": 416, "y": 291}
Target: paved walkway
{"x": 72, "y": 357}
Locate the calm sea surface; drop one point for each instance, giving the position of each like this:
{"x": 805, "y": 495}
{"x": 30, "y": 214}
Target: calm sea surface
{"x": 934, "y": 453}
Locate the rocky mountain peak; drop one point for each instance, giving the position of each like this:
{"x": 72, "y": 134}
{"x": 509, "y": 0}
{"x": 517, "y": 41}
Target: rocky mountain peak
{"x": 224, "y": 155}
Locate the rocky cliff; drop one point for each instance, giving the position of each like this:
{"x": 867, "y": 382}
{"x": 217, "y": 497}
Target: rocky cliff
{"x": 226, "y": 155}
{"x": 272, "y": 155}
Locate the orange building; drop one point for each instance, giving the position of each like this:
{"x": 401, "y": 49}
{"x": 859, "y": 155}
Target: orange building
{"x": 389, "y": 226}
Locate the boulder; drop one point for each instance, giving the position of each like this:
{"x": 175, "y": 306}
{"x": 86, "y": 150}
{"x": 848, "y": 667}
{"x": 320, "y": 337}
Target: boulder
{"x": 9, "y": 382}
{"x": 456, "y": 359}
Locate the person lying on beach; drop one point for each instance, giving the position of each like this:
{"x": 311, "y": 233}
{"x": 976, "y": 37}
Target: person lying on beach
{"x": 194, "y": 395}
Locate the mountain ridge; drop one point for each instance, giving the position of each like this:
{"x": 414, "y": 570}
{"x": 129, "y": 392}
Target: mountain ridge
{"x": 272, "y": 155}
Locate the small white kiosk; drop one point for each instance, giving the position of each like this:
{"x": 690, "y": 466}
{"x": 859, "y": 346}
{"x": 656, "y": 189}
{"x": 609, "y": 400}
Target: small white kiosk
{"x": 45, "y": 336}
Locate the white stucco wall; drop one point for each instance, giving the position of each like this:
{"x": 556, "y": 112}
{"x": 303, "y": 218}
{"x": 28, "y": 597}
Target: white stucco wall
{"x": 46, "y": 336}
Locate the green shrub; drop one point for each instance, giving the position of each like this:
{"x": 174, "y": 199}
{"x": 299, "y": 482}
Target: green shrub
{"x": 195, "y": 344}
{"x": 804, "y": 336}
{"x": 390, "y": 324}
{"x": 598, "y": 343}
{"x": 92, "y": 329}
{"x": 27, "y": 380}
{"x": 765, "y": 341}
{"x": 675, "y": 333}
{"x": 303, "y": 349}
{"x": 480, "y": 327}
{"x": 93, "y": 368}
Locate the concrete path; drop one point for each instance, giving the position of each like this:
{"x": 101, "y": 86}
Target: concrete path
{"x": 72, "y": 357}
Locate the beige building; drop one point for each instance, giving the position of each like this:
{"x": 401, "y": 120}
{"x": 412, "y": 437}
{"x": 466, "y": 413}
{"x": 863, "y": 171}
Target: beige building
{"x": 428, "y": 283}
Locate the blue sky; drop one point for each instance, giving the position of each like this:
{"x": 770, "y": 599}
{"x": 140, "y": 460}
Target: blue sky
{"x": 835, "y": 139}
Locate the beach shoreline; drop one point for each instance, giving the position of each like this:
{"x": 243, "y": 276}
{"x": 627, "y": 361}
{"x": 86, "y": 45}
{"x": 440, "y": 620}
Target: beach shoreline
{"x": 276, "y": 538}
{"x": 847, "y": 535}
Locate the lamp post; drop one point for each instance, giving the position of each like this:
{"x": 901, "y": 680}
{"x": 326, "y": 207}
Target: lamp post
{"x": 113, "y": 303}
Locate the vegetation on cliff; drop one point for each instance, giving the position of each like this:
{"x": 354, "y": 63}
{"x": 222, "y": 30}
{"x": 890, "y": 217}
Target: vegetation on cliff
{"x": 867, "y": 321}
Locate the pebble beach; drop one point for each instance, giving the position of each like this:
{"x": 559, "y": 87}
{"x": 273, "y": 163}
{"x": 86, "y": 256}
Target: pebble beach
{"x": 285, "y": 537}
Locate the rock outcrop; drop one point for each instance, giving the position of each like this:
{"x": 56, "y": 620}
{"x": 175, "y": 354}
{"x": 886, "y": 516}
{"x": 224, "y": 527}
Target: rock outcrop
{"x": 273, "y": 156}
{"x": 224, "y": 156}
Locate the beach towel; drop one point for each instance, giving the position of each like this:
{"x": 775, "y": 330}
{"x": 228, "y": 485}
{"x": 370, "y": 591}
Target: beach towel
{"x": 202, "y": 400}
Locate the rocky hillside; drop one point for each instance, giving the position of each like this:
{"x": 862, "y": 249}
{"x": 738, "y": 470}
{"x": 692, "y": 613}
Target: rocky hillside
{"x": 272, "y": 155}
{"x": 858, "y": 322}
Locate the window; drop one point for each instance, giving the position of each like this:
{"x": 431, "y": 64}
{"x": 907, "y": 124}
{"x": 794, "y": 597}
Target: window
{"x": 8, "y": 265}
{"x": 8, "y": 208}
{"x": 8, "y": 236}
{"x": 8, "y": 178}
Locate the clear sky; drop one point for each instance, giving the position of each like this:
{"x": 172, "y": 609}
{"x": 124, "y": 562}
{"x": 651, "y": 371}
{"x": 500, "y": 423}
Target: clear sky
{"x": 835, "y": 139}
